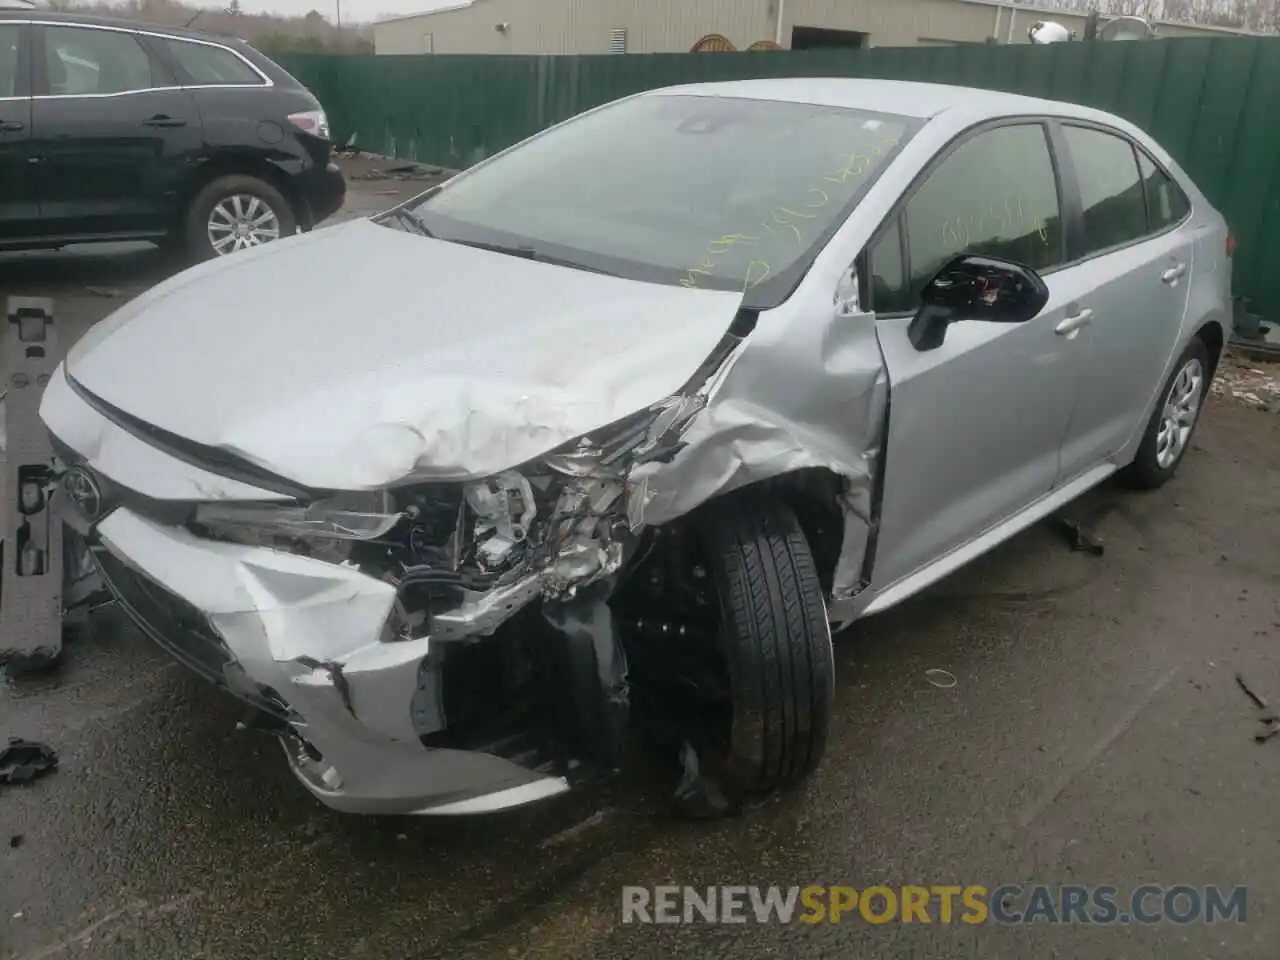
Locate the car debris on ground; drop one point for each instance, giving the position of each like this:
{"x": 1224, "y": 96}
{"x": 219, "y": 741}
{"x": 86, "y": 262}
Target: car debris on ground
{"x": 1079, "y": 539}
{"x": 942, "y": 679}
{"x": 1270, "y": 722}
{"x": 1250, "y": 382}
{"x": 1248, "y": 692}
{"x": 23, "y": 761}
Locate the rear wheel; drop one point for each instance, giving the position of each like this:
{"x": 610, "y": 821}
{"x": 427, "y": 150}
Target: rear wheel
{"x": 1174, "y": 421}
{"x": 234, "y": 213}
{"x": 745, "y": 669}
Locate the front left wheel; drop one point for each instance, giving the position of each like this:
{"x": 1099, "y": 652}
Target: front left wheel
{"x": 739, "y": 672}
{"x": 776, "y": 639}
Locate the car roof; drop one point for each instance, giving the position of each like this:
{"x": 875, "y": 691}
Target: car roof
{"x": 902, "y": 97}
{"x": 85, "y": 19}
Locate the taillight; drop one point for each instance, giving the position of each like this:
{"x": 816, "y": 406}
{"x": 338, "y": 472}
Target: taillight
{"x": 1231, "y": 244}
{"x": 313, "y": 122}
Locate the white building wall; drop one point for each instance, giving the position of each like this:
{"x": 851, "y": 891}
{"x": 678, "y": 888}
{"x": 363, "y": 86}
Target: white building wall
{"x": 674, "y": 26}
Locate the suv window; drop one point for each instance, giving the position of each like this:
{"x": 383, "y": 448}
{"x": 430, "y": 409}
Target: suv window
{"x": 1166, "y": 203}
{"x": 80, "y": 60}
{"x": 208, "y": 65}
{"x": 1115, "y": 212}
{"x": 996, "y": 194}
{"x": 9, "y": 33}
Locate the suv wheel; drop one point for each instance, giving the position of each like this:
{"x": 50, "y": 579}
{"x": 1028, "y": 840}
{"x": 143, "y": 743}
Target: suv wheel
{"x": 234, "y": 213}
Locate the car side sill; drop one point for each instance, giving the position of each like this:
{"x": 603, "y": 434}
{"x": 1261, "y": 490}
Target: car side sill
{"x": 949, "y": 563}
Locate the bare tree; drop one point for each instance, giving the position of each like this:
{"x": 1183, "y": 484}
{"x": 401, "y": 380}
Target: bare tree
{"x": 1150, "y": 9}
{"x": 1261, "y": 15}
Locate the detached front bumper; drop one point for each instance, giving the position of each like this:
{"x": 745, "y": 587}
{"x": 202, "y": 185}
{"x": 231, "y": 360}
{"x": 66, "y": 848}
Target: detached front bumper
{"x": 301, "y": 639}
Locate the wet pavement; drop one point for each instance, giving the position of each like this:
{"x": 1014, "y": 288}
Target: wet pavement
{"x": 1095, "y": 735}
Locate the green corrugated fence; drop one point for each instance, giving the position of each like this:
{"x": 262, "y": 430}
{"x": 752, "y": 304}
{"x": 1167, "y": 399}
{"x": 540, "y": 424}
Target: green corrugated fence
{"x": 1204, "y": 99}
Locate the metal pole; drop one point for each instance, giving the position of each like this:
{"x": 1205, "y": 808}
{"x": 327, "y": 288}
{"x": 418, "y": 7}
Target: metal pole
{"x": 339, "y": 2}
{"x": 1013, "y": 18}
{"x": 777, "y": 30}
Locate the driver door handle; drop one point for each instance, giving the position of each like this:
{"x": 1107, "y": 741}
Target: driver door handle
{"x": 1174, "y": 274}
{"x": 161, "y": 120}
{"x": 1073, "y": 324}
{"x": 12, "y": 126}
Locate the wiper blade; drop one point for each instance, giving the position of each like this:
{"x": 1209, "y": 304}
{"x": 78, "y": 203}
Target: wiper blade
{"x": 413, "y": 220}
{"x": 529, "y": 253}
{"x": 525, "y": 253}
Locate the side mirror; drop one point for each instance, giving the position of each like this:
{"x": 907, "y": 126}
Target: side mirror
{"x": 976, "y": 288}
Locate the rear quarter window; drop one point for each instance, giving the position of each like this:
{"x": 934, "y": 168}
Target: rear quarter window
{"x": 1167, "y": 205}
{"x": 208, "y": 65}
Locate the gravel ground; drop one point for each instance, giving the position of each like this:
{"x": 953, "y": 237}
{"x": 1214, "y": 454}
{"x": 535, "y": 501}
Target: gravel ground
{"x": 1095, "y": 735}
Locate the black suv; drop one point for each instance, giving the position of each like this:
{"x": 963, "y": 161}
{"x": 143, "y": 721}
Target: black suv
{"x": 113, "y": 130}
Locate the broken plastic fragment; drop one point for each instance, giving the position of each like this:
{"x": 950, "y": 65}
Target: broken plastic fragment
{"x": 698, "y": 794}
{"x": 24, "y": 760}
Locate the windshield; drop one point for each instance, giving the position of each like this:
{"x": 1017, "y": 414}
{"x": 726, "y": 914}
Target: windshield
{"x": 703, "y": 192}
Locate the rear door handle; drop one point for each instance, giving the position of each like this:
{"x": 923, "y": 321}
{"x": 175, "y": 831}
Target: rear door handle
{"x": 1174, "y": 274}
{"x": 1073, "y": 324}
{"x": 11, "y": 126}
{"x": 162, "y": 121}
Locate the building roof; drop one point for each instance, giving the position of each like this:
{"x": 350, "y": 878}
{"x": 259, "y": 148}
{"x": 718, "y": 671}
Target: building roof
{"x": 459, "y": 5}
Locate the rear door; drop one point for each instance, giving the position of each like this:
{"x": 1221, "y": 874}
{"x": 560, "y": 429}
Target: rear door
{"x": 1132, "y": 264}
{"x": 113, "y": 133}
{"x": 18, "y": 207}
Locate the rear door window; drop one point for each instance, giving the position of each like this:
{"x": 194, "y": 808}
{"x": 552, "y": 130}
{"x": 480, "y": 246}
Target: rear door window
{"x": 10, "y": 34}
{"x": 210, "y": 66}
{"x": 1111, "y": 194}
{"x": 81, "y": 61}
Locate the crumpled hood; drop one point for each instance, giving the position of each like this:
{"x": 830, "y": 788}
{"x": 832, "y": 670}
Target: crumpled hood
{"x": 357, "y": 355}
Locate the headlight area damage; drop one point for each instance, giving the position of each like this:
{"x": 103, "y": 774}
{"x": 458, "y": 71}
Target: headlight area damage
{"x": 463, "y": 661}
{"x": 458, "y": 646}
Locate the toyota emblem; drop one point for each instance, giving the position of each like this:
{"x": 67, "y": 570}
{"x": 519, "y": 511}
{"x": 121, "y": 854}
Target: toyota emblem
{"x": 83, "y": 490}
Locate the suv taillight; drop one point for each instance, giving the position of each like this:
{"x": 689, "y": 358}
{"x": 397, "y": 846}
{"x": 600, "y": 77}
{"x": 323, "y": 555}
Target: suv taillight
{"x": 1231, "y": 244}
{"x": 313, "y": 122}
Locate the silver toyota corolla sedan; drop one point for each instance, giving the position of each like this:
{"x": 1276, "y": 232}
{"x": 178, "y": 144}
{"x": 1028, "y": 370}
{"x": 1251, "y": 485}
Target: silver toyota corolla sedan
{"x": 599, "y": 438}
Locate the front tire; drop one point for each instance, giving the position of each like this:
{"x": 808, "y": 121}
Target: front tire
{"x": 775, "y": 640}
{"x": 1173, "y": 423}
{"x": 236, "y": 212}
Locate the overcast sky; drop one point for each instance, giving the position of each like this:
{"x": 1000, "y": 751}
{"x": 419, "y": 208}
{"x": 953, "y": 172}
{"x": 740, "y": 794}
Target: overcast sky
{"x": 352, "y": 10}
